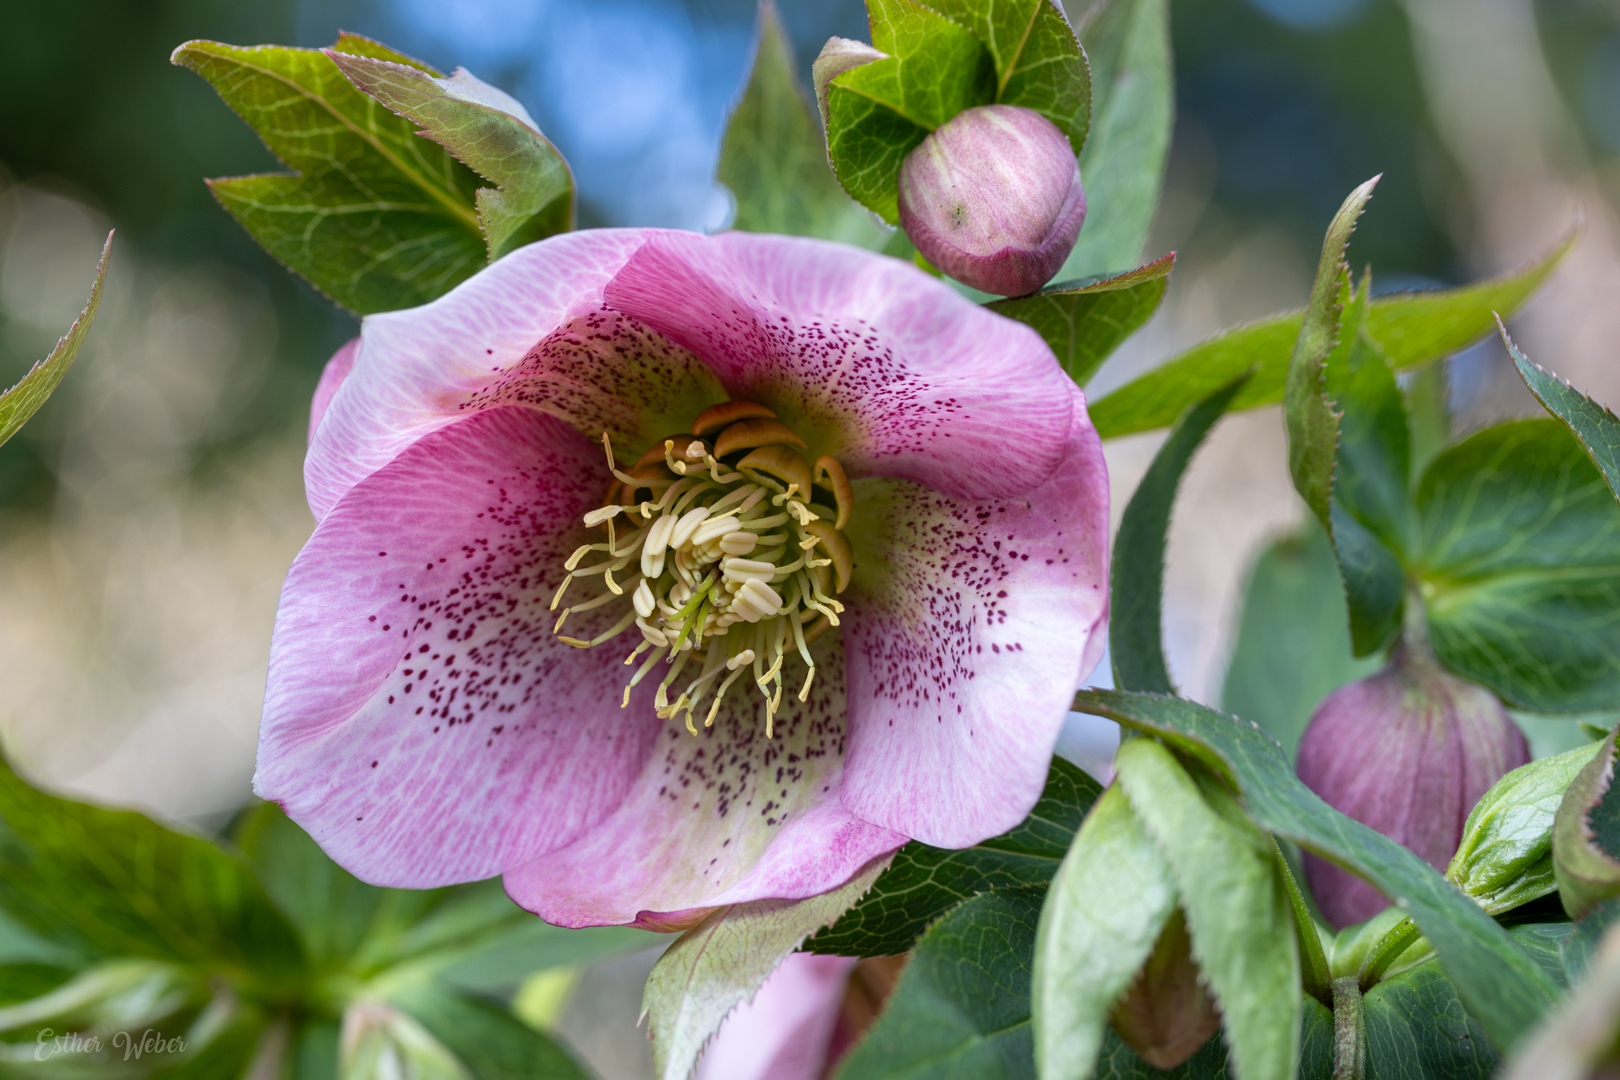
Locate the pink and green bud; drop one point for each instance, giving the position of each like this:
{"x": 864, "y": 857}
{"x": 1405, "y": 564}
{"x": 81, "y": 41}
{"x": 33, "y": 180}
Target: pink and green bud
{"x": 993, "y": 198}
{"x": 1408, "y": 752}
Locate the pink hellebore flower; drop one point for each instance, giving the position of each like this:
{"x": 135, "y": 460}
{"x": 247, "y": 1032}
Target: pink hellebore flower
{"x": 786, "y": 1031}
{"x": 658, "y": 572}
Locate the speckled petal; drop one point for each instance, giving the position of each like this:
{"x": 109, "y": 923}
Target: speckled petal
{"x": 868, "y": 358}
{"x": 970, "y": 626}
{"x": 785, "y": 1031}
{"x": 422, "y": 721}
{"x": 721, "y": 818}
{"x": 337, "y": 369}
{"x": 529, "y": 331}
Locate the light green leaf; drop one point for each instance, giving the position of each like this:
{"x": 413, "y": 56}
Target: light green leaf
{"x": 923, "y": 883}
{"x": 1505, "y": 857}
{"x": 774, "y": 160}
{"x": 1293, "y": 638}
{"x": 723, "y": 960}
{"x": 1411, "y": 328}
{"x": 1315, "y": 977}
{"x": 1594, "y": 426}
{"x": 1313, "y": 425}
{"x": 1502, "y": 987}
{"x": 1084, "y": 322}
{"x": 373, "y": 215}
{"x": 1136, "y": 580}
{"x": 487, "y": 131}
{"x": 1106, "y": 908}
{"x": 487, "y": 1040}
{"x": 1520, "y": 567}
{"x": 1237, "y": 908}
{"x": 1122, "y": 165}
{"x": 878, "y": 112}
{"x": 24, "y": 399}
{"x": 961, "y": 1009}
{"x": 115, "y": 883}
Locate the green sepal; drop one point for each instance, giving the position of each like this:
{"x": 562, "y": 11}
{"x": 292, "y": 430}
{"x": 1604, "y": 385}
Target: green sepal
{"x": 1315, "y": 978}
{"x": 23, "y": 400}
{"x": 1085, "y": 321}
{"x": 1412, "y": 329}
{"x": 1586, "y": 835}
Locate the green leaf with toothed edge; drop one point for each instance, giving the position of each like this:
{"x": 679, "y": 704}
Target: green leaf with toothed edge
{"x": 1411, "y": 328}
{"x": 774, "y": 160}
{"x": 1593, "y": 425}
{"x": 1501, "y": 986}
{"x": 23, "y": 400}
{"x": 1085, "y": 321}
{"x": 923, "y": 882}
{"x": 373, "y": 215}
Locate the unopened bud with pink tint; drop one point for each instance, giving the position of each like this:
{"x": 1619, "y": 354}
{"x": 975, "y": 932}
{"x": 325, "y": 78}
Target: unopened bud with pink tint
{"x": 993, "y": 198}
{"x": 1408, "y": 752}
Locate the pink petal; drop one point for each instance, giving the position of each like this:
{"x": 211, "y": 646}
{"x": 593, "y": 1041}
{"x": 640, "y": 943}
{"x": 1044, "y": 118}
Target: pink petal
{"x": 784, "y": 1032}
{"x": 868, "y": 358}
{"x": 723, "y": 818}
{"x": 970, "y": 626}
{"x": 422, "y": 721}
{"x": 421, "y": 368}
{"x": 337, "y": 369}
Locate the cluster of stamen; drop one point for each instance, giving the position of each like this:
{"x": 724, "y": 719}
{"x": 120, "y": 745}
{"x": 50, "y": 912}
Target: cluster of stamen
{"x": 728, "y": 568}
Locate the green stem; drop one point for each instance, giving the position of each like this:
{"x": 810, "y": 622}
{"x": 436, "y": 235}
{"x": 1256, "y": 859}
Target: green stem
{"x": 1349, "y": 1031}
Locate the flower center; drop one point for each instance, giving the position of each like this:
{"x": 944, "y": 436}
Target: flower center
{"x": 732, "y": 550}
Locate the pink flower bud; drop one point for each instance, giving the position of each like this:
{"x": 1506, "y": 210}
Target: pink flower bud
{"x": 993, "y": 198}
{"x": 1408, "y": 752}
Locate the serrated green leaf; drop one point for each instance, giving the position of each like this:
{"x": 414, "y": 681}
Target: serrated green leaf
{"x": 1502, "y": 987}
{"x": 1593, "y": 425}
{"x": 1103, "y": 914}
{"x": 878, "y": 112}
{"x": 373, "y": 215}
{"x": 1128, "y": 45}
{"x": 923, "y": 883}
{"x": 1136, "y": 581}
{"x": 723, "y": 960}
{"x": 1519, "y": 567}
{"x": 774, "y": 160}
{"x": 1039, "y": 63}
{"x": 961, "y": 1009}
{"x": 1578, "y": 1039}
{"x": 1084, "y": 322}
{"x": 1371, "y": 510}
{"x": 1411, "y": 328}
{"x": 488, "y": 1040}
{"x": 1586, "y": 835}
{"x": 1293, "y": 639}
{"x": 116, "y": 883}
{"x": 23, "y": 400}
{"x": 1505, "y": 857}
{"x": 1312, "y": 422}
{"x": 1237, "y": 908}
{"x": 487, "y": 131}
{"x": 1314, "y": 976}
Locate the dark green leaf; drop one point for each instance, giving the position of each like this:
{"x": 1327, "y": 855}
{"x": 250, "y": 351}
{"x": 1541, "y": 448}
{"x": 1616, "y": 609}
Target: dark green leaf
{"x": 1520, "y": 567}
{"x": 1039, "y": 64}
{"x": 24, "y": 399}
{"x": 118, "y": 883}
{"x": 1417, "y": 1027}
{"x": 488, "y": 1039}
{"x": 1315, "y": 978}
{"x": 1580, "y": 948}
{"x": 1084, "y": 322}
{"x": 1293, "y": 640}
{"x": 1372, "y": 507}
{"x": 1586, "y": 835}
{"x": 1502, "y": 987}
{"x": 314, "y": 1052}
{"x": 20, "y": 982}
{"x": 374, "y": 215}
{"x": 1119, "y": 1062}
{"x": 925, "y": 882}
{"x": 1411, "y": 328}
{"x": 962, "y": 1007}
{"x": 774, "y": 160}
{"x": 487, "y": 131}
{"x": 1594, "y": 426}
{"x": 1136, "y": 583}
{"x": 1105, "y": 911}
{"x": 1313, "y": 425}
{"x": 1122, "y": 165}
